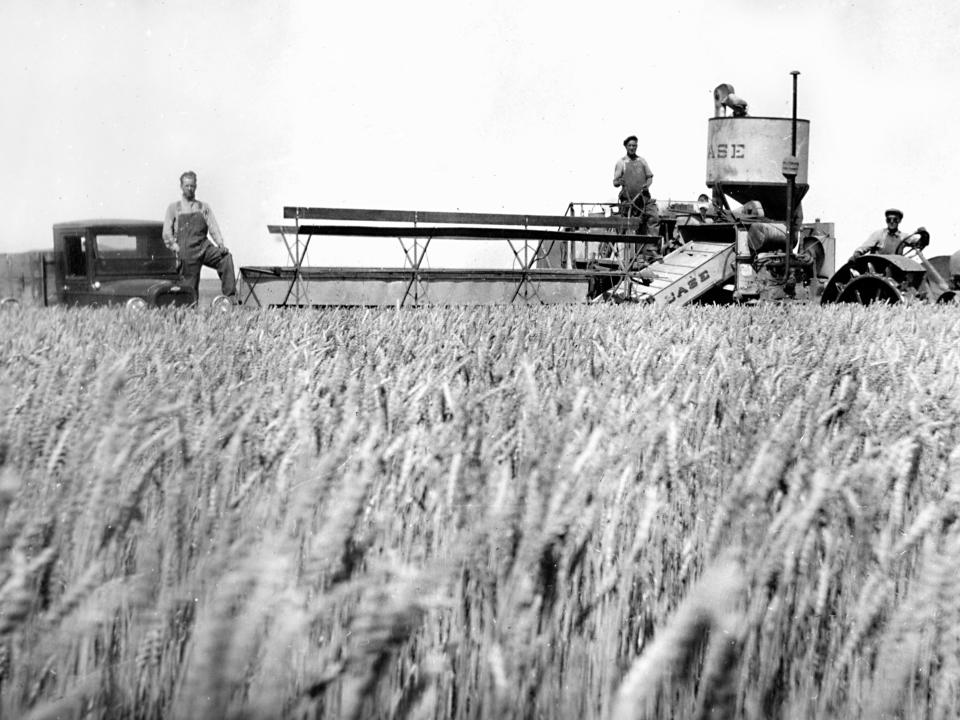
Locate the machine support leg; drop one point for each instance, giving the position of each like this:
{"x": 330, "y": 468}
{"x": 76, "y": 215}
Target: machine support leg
{"x": 297, "y": 287}
{"x": 414, "y": 255}
{"x": 525, "y": 259}
{"x": 297, "y": 256}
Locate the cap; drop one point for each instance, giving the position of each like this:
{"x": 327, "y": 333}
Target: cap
{"x": 631, "y": 137}
{"x": 894, "y": 211}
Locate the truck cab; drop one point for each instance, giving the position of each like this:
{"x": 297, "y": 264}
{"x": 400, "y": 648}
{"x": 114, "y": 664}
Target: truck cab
{"x": 110, "y": 262}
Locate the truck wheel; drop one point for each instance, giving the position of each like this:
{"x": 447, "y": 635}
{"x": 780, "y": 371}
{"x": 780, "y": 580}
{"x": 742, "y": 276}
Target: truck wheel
{"x": 221, "y": 303}
{"x": 136, "y": 304}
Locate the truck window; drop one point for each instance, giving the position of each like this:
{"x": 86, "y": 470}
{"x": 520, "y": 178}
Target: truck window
{"x": 76, "y": 251}
{"x": 117, "y": 246}
{"x": 123, "y": 253}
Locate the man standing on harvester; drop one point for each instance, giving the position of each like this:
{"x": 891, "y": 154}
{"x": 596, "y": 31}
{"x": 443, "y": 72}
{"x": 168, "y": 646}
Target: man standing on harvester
{"x": 191, "y": 231}
{"x": 633, "y": 176}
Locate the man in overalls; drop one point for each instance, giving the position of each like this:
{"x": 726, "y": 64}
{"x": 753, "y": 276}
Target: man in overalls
{"x": 191, "y": 231}
{"x": 633, "y": 176}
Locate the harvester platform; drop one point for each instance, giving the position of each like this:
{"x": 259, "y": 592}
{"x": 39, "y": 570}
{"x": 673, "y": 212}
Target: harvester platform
{"x": 530, "y": 238}
{"x": 685, "y": 274}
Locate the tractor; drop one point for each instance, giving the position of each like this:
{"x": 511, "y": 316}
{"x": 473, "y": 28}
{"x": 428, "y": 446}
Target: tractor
{"x": 904, "y": 276}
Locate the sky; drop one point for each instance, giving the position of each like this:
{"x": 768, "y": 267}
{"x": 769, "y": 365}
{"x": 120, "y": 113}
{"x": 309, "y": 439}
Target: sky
{"x": 496, "y": 106}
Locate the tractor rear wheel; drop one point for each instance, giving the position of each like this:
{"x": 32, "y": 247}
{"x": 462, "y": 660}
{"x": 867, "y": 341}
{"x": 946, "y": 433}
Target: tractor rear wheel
{"x": 871, "y": 279}
{"x": 868, "y": 289}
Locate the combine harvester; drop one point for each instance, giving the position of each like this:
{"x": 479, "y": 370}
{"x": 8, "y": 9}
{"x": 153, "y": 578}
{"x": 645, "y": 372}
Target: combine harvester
{"x": 714, "y": 251}
{"x": 730, "y": 247}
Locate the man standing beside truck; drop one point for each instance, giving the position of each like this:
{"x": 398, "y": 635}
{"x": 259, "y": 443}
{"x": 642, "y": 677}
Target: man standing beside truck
{"x": 190, "y": 230}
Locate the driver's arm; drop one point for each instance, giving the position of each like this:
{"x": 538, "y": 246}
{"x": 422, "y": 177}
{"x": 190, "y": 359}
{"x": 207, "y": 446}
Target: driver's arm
{"x": 871, "y": 244}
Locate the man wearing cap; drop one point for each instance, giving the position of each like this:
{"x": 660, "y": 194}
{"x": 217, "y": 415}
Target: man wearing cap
{"x": 886, "y": 240}
{"x": 633, "y": 176}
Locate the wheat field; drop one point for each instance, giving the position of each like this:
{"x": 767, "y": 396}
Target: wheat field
{"x": 590, "y": 512}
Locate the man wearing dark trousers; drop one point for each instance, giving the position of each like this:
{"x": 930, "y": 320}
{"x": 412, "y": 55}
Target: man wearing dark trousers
{"x": 190, "y": 230}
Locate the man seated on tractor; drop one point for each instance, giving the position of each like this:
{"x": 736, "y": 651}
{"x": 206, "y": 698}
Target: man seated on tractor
{"x": 891, "y": 239}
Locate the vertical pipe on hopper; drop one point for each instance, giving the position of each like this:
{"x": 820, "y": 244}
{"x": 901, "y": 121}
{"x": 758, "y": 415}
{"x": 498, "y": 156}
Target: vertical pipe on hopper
{"x": 790, "y": 171}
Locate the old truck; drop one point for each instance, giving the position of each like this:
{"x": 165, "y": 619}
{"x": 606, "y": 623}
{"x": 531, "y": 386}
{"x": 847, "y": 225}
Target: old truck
{"x": 97, "y": 262}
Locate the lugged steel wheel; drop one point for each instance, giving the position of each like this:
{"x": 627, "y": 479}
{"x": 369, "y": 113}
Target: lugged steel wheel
{"x": 874, "y": 279}
{"x": 869, "y": 289}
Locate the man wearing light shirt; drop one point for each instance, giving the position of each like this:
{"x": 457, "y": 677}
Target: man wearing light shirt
{"x": 190, "y": 230}
{"x": 886, "y": 240}
{"x": 633, "y": 176}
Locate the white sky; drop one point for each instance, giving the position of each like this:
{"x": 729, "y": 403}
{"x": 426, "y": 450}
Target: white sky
{"x": 501, "y": 106}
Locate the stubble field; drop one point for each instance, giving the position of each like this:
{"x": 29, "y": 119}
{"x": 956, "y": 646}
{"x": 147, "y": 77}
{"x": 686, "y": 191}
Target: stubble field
{"x": 592, "y": 512}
